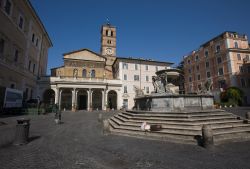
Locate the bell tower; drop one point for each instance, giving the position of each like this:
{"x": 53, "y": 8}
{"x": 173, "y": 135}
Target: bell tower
{"x": 108, "y": 42}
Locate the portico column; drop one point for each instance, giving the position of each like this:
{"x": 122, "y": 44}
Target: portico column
{"x": 106, "y": 97}
{"x": 56, "y": 95}
{"x": 60, "y": 98}
{"x": 103, "y": 100}
{"x": 119, "y": 99}
{"x": 89, "y": 99}
{"x": 76, "y": 99}
{"x": 73, "y": 99}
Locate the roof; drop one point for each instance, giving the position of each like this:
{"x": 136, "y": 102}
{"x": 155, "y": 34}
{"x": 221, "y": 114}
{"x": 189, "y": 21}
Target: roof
{"x": 204, "y": 44}
{"x": 79, "y": 50}
{"x": 142, "y": 59}
{"x": 39, "y": 20}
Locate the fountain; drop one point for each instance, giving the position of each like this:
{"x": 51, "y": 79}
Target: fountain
{"x": 166, "y": 97}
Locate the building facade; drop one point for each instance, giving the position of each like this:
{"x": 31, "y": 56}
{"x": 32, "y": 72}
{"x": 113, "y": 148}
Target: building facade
{"x": 24, "y": 45}
{"x": 136, "y": 74}
{"x": 223, "y": 61}
{"x": 89, "y": 80}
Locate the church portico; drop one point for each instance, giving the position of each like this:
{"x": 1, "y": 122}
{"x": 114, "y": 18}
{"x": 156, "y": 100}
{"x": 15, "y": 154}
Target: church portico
{"x": 80, "y": 95}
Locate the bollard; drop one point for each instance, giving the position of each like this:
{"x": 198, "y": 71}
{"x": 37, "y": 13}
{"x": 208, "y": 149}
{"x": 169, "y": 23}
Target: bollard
{"x": 207, "y": 136}
{"x": 106, "y": 127}
{"x": 248, "y": 115}
{"x": 100, "y": 117}
{"x": 22, "y": 132}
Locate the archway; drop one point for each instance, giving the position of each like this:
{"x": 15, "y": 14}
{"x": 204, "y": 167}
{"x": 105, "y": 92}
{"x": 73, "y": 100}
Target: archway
{"x": 97, "y": 100}
{"x": 82, "y": 100}
{"x": 49, "y": 96}
{"x": 112, "y": 99}
{"x": 66, "y": 99}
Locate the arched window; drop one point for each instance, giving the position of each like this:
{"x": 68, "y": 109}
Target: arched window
{"x": 92, "y": 73}
{"x": 236, "y": 45}
{"x": 84, "y": 73}
{"x": 111, "y": 33}
{"x": 107, "y": 32}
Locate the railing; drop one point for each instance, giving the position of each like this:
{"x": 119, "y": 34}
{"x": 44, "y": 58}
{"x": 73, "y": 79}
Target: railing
{"x": 77, "y": 79}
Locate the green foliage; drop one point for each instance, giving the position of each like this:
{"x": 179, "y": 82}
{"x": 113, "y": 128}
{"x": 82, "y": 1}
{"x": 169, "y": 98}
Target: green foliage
{"x": 232, "y": 96}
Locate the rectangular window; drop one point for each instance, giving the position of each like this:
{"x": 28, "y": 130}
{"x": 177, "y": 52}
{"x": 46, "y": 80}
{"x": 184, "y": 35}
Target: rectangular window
{"x": 189, "y": 70}
{"x": 206, "y": 54}
{"x": 2, "y": 42}
{"x": 219, "y": 60}
{"x": 136, "y": 78}
{"x": 31, "y": 94}
{"x": 125, "y": 103}
{"x": 217, "y": 49}
{"x": 238, "y": 56}
{"x": 243, "y": 84}
{"x": 199, "y": 77}
{"x": 190, "y": 79}
{"x": 146, "y": 67}
{"x": 147, "y": 78}
{"x": 136, "y": 67}
{"x": 7, "y": 7}
{"x": 241, "y": 69}
{"x": 20, "y": 24}
{"x": 147, "y": 89}
{"x": 124, "y": 65}
{"x": 188, "y": 61}
{"x": 29, "y": 64}
{"x": 26, "y": 93}
{"x": 16, "y": 55}
{"x": 33, "y": 38}
{"x": 207, "y": 64}
{"x": 196, "y": 58}
{"x": 125, "y": 89}
{"x": 208, "y": 75}
{"x": 34, "y": 67}
{"x": 125, "y": 77}
{"x": 220, "y": 71}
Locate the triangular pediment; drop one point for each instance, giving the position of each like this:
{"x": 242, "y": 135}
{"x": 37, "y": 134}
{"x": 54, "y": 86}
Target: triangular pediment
{"x": 84, "y": 54}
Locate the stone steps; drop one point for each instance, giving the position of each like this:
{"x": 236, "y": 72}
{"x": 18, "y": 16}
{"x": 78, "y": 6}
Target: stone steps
{"x": 173, "y": 130}
{"x": 187, "y": 123}
{"x": 176, "y": 119}
{"x": 181, "y": 127}
{"x": 167, "y": 136}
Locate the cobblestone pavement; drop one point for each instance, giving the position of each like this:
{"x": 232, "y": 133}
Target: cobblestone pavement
{"x": 78, "y": 143}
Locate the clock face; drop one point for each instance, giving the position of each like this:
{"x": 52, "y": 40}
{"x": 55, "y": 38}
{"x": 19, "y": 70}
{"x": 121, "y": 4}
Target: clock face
{"x": 109, "y": 51}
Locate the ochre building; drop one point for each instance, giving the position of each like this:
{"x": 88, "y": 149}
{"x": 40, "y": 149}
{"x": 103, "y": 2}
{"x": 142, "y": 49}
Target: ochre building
{"x": 24, "y": 45}
{"x": 223, "y": 61}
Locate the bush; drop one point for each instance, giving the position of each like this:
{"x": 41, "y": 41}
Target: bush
{"x": 232, "y": 96}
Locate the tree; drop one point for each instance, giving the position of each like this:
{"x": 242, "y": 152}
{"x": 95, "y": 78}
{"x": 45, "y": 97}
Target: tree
{"x": 233, "y": 95}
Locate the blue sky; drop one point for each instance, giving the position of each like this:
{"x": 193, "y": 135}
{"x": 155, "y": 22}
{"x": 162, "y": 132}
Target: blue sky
{"x": 162, "y": 30}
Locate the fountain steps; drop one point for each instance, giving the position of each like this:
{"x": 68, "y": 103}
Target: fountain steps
{"x": 181, "y": 128}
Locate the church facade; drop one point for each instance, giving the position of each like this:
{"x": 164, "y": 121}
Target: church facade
{"x": 93, "y": 81}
